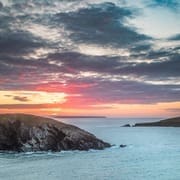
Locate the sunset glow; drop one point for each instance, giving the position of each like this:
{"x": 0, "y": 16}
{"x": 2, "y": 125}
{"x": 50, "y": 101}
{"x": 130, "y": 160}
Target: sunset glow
{"x": 116, "y": 59}
{"x": 31, "y": 97}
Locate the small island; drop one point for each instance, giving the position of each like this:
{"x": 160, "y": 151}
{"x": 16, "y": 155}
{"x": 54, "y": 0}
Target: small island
{"x": 24, "y": 133}
{"x": 126, "y": 125}
{"x": 171, "y": 122}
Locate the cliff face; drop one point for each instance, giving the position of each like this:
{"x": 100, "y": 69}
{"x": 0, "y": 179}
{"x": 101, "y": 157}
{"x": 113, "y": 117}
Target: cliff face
{"x": 172, "y": 122}
{"x": 19, "y": 132}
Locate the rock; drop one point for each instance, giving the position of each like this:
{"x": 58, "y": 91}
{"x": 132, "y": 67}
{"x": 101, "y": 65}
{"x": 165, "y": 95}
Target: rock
{"x": 22, "y": 133}
{"x": 171, "y": 122}
{"x": 126, "y": 125}
{"x": 122, "y": 145}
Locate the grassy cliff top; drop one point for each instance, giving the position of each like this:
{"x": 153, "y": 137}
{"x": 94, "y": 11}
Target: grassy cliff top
{"x": 170, "y": 122}
{"x": 28, "y": 119}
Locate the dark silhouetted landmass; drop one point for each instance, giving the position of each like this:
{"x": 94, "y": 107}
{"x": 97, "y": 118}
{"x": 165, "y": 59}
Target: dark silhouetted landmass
{"x": 171, "y": 122}
{"x": 22, "y": 133}
{"x": 126, "y": 125}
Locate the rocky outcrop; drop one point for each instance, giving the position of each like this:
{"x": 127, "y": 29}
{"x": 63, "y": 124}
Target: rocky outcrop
{"x": 126, "y": 125}
{"x": 22, "y": 133}
{"x": 171, "y": 122}
{"x": 122, "y": 145}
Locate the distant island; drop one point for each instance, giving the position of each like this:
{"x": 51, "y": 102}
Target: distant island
{"x": 23, "y": 133}
{"x": 171, "y": 122}
{"x": 58, "y": 116}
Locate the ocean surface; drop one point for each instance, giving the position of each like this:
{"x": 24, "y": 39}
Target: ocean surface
{"x": 152, "y": 153}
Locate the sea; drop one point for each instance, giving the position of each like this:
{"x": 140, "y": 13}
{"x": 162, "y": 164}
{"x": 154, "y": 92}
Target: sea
{"x": 152, "y": 153}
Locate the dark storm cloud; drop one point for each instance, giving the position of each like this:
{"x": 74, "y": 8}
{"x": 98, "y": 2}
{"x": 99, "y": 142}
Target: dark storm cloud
{"x": 14, "y": 66}
{"x": 158, "y": 69}
{"x": 1, "y": 5}
{"x": 146, "y": 52}
{"x": 170, "y": 67}
{"x": 81, "y": 62}
{"x": 175, "y": 37}
{"x": 101, "y": 24}
{"x": 18, "y": 43}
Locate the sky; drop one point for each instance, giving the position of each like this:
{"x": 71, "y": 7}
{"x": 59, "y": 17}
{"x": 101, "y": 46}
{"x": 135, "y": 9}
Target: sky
{"x": 118, "y": 58}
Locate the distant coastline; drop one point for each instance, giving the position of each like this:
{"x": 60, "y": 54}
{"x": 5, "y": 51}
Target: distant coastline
{"x": 171, "y": 122}
{"x": 79, "y": 116}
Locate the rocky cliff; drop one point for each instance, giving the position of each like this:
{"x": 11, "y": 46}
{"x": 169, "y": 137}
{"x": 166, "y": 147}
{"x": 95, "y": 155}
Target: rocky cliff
{"x": 21, "y": 132}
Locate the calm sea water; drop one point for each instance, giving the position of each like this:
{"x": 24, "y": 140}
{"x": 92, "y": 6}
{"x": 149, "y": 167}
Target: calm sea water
{"x": 151, "y": 154}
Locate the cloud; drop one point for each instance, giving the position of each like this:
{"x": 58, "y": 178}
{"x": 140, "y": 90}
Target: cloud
{"x": 123, "y": 80}
{"x": 128, "y": 92}
{"x": 26, "y": 106}
{"x": 88, "y": 51}
{"x": 175, "y": 37}
{"x": 171, "y": 4}
{"x": 31, "y": 97}
{"x": 177, "y": 110}
{"x": 141, "y": 47}
{"x": 20, "y": 98}
{"x": 74, "y": 62}
{"x": 102, "y": 24}
{"x": 18, "y": 43}
{"x": 166, "y": 67}
{"x": 1, "y": 5}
